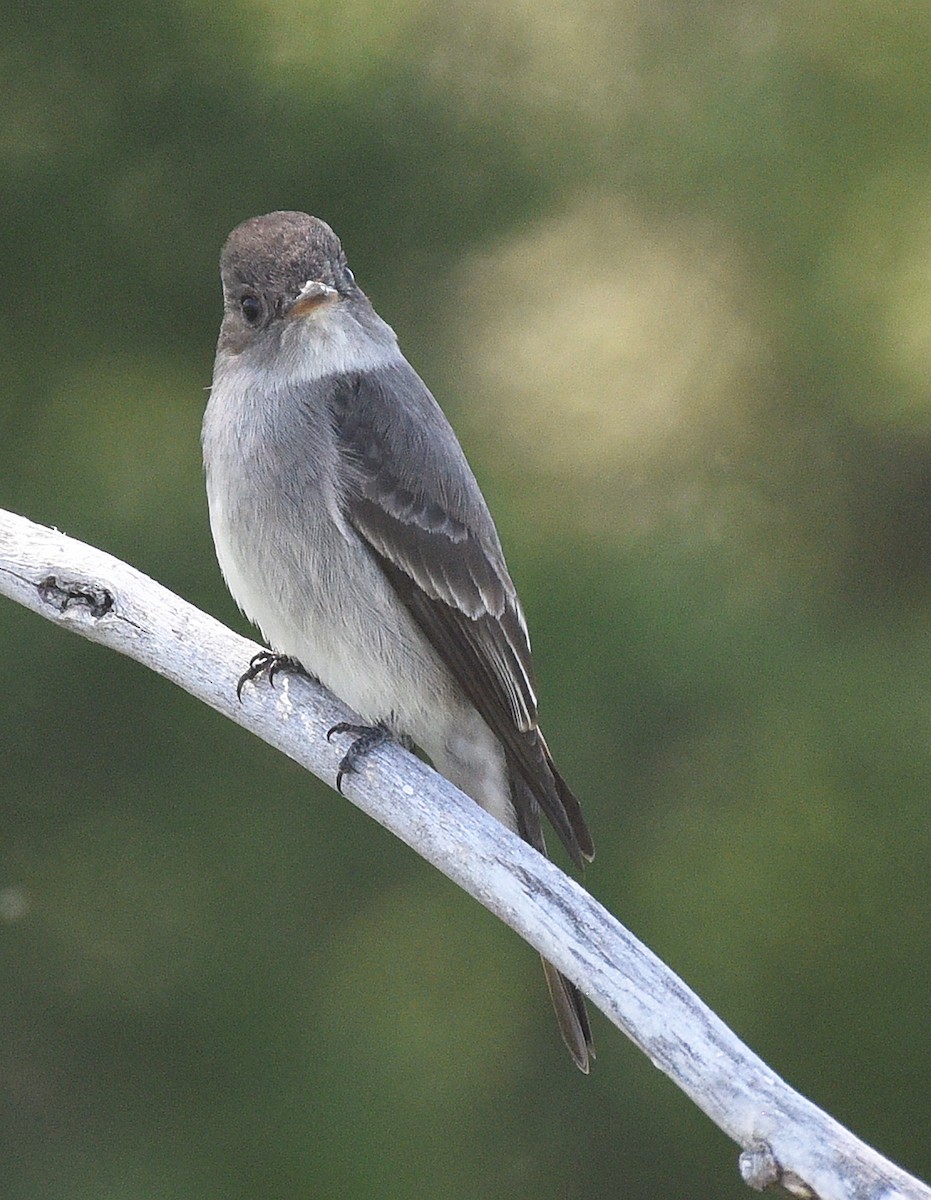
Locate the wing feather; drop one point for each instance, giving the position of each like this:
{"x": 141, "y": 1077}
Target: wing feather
{"x": 415, "y": 502}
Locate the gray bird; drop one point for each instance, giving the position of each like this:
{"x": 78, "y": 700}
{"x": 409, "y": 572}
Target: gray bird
{"x": 350, "y": 528}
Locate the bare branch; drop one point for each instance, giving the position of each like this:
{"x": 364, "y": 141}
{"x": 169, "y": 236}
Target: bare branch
{"x": 785, "y": 1138}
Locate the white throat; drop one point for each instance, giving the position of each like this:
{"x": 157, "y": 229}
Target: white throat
{"x": 324, "y": 343}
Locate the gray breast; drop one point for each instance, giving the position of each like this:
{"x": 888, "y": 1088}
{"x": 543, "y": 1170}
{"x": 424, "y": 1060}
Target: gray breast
{"x": 292, "y": 563}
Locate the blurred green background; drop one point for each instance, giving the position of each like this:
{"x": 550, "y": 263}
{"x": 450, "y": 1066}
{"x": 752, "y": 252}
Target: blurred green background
{"x": 668, "y": 268}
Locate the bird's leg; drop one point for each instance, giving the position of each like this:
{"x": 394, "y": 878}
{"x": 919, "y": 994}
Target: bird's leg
{"x": 270, "y": 663}
{"x": 368, "y": 737}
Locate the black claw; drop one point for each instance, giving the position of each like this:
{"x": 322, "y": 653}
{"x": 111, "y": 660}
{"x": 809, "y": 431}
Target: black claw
{"x": 367, "y": 738}
{"x": 270, "y": 663}
{"x": 283, "y": 662}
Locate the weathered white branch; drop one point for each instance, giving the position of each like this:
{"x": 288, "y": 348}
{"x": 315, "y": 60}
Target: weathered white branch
{"x": 785, "y": 1138}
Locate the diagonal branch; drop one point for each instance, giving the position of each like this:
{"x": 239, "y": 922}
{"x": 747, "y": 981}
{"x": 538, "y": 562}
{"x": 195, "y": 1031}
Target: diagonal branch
{"x": 785, "y": 1138}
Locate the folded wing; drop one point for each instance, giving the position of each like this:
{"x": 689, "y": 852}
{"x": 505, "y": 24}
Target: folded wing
{"x": 414, "y": 501}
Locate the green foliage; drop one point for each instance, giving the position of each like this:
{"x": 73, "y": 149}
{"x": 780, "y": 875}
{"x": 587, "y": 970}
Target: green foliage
{"x": 669, "y": 271}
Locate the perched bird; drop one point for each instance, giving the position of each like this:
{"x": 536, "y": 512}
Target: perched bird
{"x": 350, "y": 528}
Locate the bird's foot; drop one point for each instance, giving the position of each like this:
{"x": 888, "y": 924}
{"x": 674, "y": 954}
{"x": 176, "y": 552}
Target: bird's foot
{"x": 368, "y": 737}
{"x": 270, "y": 663}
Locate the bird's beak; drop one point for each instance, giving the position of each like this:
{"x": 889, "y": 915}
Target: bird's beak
{"x": 313, "y": 295}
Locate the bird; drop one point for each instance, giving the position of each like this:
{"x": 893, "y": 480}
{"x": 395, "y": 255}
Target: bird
{"x": 350, "y": 529}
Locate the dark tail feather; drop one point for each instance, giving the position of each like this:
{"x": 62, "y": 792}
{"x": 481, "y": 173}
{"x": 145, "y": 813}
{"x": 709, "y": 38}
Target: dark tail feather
{"x": 568, "y": 1002}
{"x": 571, "y": 1015}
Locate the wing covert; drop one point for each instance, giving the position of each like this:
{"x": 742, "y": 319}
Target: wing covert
{"x": 413, "y": 499}
{"x": 428, "y": 521}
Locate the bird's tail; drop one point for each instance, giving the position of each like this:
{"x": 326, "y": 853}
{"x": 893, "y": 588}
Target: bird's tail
{"x": 568, "y": 1002}
{"x": 571, "y": 1016}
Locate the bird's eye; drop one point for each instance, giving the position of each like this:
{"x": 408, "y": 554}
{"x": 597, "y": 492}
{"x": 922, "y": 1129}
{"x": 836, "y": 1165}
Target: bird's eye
{"x": 251, "y": 308}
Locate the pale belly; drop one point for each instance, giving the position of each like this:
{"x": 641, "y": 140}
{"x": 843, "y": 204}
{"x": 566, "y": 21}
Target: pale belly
{"x": 319, "y": 596}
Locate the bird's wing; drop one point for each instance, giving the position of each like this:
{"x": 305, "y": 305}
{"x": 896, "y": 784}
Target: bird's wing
{"x": 414, "y": 500}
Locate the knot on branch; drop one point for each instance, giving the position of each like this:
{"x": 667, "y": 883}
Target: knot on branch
{"x": 62, "y": 595}
{"x": 760, "y": 1169}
